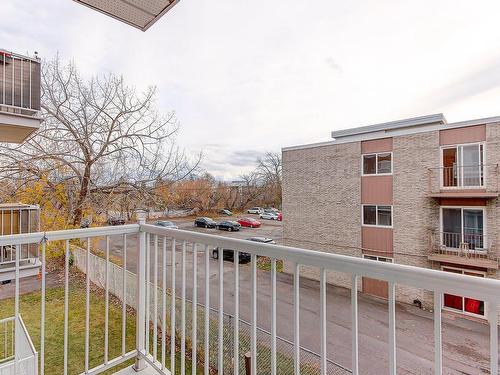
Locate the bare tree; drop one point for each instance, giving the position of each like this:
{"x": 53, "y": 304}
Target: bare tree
{"x": 98, "y": 136}
{"x": 269, "y": 172}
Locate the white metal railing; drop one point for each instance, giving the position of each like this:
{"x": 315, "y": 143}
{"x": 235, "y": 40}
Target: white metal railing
{"x": 479, "y": 176}
{"x": 19, "y": 83}
{"x": 467, "y": 244}
{"x": 181, "y": 259}
{"x": 20, "y": 356}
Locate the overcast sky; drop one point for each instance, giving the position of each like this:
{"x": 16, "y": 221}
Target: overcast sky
{"x": 249, "y": 76}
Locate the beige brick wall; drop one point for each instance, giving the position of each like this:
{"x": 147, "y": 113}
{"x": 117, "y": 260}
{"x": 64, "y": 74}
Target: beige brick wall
{"x": 414, "y": 213}
{"x": 322, "y": 186}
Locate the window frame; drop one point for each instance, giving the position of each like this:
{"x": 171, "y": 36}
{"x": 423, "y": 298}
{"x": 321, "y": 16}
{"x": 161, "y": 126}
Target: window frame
{"x": 376, "y": 225}
{"x": 378, "y": 257}
{"x": 463, "y": 270}
{"x": 482, "y": 159}
{"x": 376, "y": 154}
{"x": 462, "y": 208}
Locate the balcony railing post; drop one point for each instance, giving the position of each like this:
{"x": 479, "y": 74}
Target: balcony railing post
{"x": 141, "y": 326}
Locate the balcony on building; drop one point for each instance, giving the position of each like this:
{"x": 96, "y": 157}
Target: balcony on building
{"x": 19, "y": 96}
{"x": 18, "y": 218}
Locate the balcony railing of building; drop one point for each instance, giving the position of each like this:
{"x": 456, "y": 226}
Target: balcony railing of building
{"x": 19, "y": 84}
{"x": 467, "y": 248}
{"x": 475, "y": 179}
{"x": 181, "y": 326}
{"x": 19, "y": 355}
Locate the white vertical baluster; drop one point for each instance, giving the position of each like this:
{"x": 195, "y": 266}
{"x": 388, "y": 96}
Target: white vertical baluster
{"x": 164, "y": 304}
{"x": 106, "y": 303}
{"x": 148, "y": 290}
{"x": 438, "y": 356}
{"x": 42, "y": 323}
{"x": 253, "y": 334}
{"x": 87, "y": 306}
{"x": 220, "y": 338}
{"x": 322, "y": 312}
{"x": 140, "y": 363}
{"x": 17, "y": 327}
{"x": 172, "y": 312}
{"x": 207, "y": 311}
{"x": 296, "y": 331}
{"x": 392, "y": 328}
{"x": 66, "y": 302}
{"x": 194, "y": 313}
{"x": 493, "y": 320}
{"x": 274, "y": 297}
{"x": 236, "y": 339}
{"x": 124, "y": 296}
{"x": 183, "y": 308}
{"x": 354, "y": 324}
{"x": 155, "y": 298}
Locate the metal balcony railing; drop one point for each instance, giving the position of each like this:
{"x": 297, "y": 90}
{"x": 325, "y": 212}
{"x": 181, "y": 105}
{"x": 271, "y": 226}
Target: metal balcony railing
{"x": 466, "y": 177}
{"x": 467, "y": 244}
{"x": 19, "y": 84}
{"x": 19, "y": 356}
{"x": 180, "y": 293}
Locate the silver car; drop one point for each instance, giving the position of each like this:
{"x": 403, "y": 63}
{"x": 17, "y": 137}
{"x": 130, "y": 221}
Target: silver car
{"x": 269, "y": 216}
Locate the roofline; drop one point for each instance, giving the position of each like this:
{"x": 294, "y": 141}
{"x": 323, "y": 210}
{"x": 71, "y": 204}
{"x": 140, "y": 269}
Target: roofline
{"x": 395, "y": 132}
{"x": 398, "y": 124}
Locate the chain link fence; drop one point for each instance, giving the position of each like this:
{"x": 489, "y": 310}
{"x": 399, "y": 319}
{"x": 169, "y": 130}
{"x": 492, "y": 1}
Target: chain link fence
{"x": 309, "y": 361}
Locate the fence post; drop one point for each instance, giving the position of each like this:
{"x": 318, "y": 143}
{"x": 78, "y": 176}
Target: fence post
{"x": 141, "y": 320}
{"x": 248, "y": 363}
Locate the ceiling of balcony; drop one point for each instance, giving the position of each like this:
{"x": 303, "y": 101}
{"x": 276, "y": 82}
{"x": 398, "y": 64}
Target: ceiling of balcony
{"x": 138, "y": 13}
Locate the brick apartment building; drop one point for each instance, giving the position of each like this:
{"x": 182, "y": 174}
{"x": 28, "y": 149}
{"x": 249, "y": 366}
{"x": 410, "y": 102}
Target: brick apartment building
{"x": 420, "y": 191}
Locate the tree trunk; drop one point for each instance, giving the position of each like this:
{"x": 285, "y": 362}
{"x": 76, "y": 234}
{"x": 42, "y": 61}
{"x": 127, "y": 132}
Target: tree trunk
{"x": 84, "y": 190}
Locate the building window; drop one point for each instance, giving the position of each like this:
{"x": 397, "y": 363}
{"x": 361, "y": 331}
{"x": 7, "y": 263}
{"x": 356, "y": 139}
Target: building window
{"x": 377, "y": 215}
{"x": 463, "y": 228}
{"x": 380, "y": 163}
{"x": 462, "y": 166}
{"x": 461, "y": 304}
{"x": 378, "y": 258}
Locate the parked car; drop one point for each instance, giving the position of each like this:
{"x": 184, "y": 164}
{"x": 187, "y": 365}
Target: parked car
{"x": 228, "y": 225}
{"x": 271, "y": 209}
{"x": 205, "y": 222}
{"x": 262, "y": 240}
{"x": 226, "y": 212}
{"x": 255, "y": 210}
{"x": 166, "y": 224}
{"x": 249, "y": 222}
{"x": 269, "y": 216}
{"x": 280, "y": 216}
{"x": 116, "y": 220}
{"x": 228, "y": 254}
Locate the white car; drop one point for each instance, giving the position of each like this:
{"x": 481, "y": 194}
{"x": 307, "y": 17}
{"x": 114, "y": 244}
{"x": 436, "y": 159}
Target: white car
{"x": 255, "y": 210}
{"x": 269, "y": 216}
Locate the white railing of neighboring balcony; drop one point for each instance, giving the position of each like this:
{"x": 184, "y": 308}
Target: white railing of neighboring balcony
{"x": 151, "y": 294}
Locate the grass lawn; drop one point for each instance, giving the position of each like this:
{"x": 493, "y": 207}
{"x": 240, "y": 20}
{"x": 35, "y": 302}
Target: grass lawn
{"x": 54, "y": 327}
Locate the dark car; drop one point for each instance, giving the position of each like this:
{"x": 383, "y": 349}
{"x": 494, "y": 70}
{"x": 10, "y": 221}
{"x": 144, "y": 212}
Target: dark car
{"x": 205, "y": 222}
{"x": 228, "y": 225}
{"x": 116, "y": 220}
{"x": 262, "y": 240}
{"x": 228, "y": 254}
{"x": 166, "y": 224}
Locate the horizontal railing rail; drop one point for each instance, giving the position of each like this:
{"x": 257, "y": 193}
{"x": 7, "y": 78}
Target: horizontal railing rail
{"x": 478, "y": 176}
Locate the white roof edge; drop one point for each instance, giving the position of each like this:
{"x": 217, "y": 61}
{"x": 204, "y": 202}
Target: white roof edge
{"x": 396, "y": 132}
{"x": 414, "y": 121}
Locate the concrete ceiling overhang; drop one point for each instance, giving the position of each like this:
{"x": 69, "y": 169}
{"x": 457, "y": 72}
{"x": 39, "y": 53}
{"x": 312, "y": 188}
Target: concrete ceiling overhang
{"x": 138, "y": 13}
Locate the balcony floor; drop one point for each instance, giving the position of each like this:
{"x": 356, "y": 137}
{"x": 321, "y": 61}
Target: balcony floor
{"x": 130, "y": 371}
{"x": 464, "y": 261}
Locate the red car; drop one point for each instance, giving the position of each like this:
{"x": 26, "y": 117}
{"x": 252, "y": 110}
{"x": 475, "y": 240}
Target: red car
{"x": 280, "y": 216}
{"x": 249, "y": 222}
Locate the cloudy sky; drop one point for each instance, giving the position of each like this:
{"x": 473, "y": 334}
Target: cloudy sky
{"x": 249, "y": 76}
